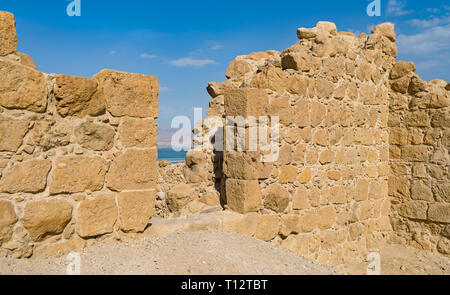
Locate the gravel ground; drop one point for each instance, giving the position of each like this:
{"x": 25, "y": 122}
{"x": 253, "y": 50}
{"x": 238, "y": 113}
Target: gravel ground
{"x": 187, "y": 253}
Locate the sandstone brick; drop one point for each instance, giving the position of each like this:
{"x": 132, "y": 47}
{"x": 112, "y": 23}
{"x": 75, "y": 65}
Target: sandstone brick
{"x": 12, "y": 133}
{"x": 96, "y": 216}
{"x": 77, "y": 96}
{"x": 270, "y": 77}
{"x": 421, "y": 191}
{"x": 326, "y": 157}
{"x": 46, "y": 217}
{"x": 321, "y": 137}
{"x": 246, "y": 102}
{"x": 299, "y": 61}
{"x": 300, "y": 200}
{"x": 318, "y": 113}
{"x": 140, "y": 133}
{"x": 179, "y": 196}
{"x": 398, "y": 136}
{"x": 413, "y": 210}
{"x": 385, "y": 29}
{"x": 237, "y": 68}
{"x": 305, "y": 175}
{"x": 242, "y": 165}
{"x": 276, "y": 198}
{"x": 288, "y": 174}
{"x": 133, "y": 170}
{"x": 22, "y": 87}
{"x": 281, "y": 107}
{"x": 415, "y": 153}
{"x": 417, "y": 119}
{"x": 135, "y": 210}
{"x": 49, "y": 134}
{"x": 26, "y": 60}
{"x": 196, "y": 157}
{"x": 7, "y": 220}
{"x": 326, "y": 217}
{"x": 337, "y": 195}
{"x": 289, "y": 225}
{"x": 76, "y": 174}
{"x": 128, "y": 94}
{"x": 401, "y": 69}
{"x": 243, "y": 195}
{"x": 441, "y": 118}
{"x": 285, "y": 155}
{"x": 95, "y": 136}
{"x": 302, "y": 113}
{"x": 59, "y": 248}
{"x": 8, "y": 37}
{"x": 267, "y": 227}
{"x": 439, "y": 212}
{"x": 324, "y": 88}
{"x": 401, "y": 85}
{"x": 26, "y": 177}
{"x": 298, "y": 244}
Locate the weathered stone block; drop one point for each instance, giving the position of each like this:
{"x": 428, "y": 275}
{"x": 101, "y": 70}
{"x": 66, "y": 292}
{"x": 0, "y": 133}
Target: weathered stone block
{"x": 439, "y": 212}
{"x": 242, "y": 165}
{"x": 179, "y": 196}
{"x": 337, "y": 195}
{"x": 237, "y": 68}
{"x": 133, "y": 170}
{"x": 415, "y": 153}
{"x": 414, "y": 210}
{"x": 246, "y": 102}
{"x": 421, "y": 191}
{"x": 11, "y": 134}
{"x": 97, "y": 216}
{"x": 8, "y": 37}
{"x": 76, "y": 174}
{"x": 26, "y": 177}
{"x": 318, "y": 113}
{"x": 288, "y": 174}
{"x": 77, "y": 96}
{"x": 135, "y": 210}
{"x": 385, "y": 29}
{"x": 128, "y": 94}
{"x": 276, "y": 198}
{"x": 22, "y": 87}
{"x": 267, "y": 227}
{"x": 95, "y": 136}
{"x": 243, "y": 195}
{"x": 26, "y": 60}
{"x": 326, "y": 217}
{"x": 401, "y": 69}
{"x": 46, "y": 217}
{"x": 290, "y": 224}
{"x": 299, "y": 61}
{"x": 7, "y": 220}
{"x": 140, "y": 133}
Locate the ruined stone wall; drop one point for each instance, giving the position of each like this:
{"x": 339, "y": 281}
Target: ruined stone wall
{"x": 419, "y": 184}
{"x": 78, "y": 158}
{"x": 326, "y": 196}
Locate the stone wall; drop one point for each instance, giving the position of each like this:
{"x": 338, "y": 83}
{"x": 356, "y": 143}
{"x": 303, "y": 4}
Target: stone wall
{"x": 78, "y": 157}
{"x": 419, "y": 160}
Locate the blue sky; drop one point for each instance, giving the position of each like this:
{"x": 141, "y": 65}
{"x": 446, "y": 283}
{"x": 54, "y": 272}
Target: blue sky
{"x": 186, "y": 44}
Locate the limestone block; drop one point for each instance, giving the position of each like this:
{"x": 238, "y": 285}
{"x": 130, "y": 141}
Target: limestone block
{"x": 288, "y": 174}
{"x": 95, "y": 136}
{"x": 276, "y": 198}
{"x": 22, "y": 87}
{"x": 46, "y": 217}
{"x": 74, "y": 174}
{"x": 439, "y": 212}
{"x": 77, "y": 96}
{"x": 299, "y": 61}
{"x": 7, "y": 220}
{"x": 179, "y": 196}
{"x": 12, "y": 133}
{"x": 237, "y": 68}
{"x": 140, "y": 133}
{"x": 243, "y": 196}
{"x": 96, "y": 216}
{"x": 128, "y": 94}
{"x": 401, "y": 69}
{"x": 290, "y": 224}
{"x": 133, "y": 170}
{"x": 246, "y": 102}
{"x": 300, "y": 200}
{"x": 8, "y": 37}
{"x": 242, "y": 165}
{"x": 267, "y": 227}
{"x": 26, "y": 60}
{"x": 385, "y": 29}
{"x": 136, "y": 209}
{"x": 413, "y": 210}
{"x": 26, "y": 177}
{"x": 326, "y": 217}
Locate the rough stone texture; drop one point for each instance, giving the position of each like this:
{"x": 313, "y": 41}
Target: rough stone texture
{"x": 245, "y": 102}
{"x": 46, "y": 218}
{"x": 77, "y": 96}
{"x": 7, "y": 219}
{"x": 179, "y": 196}
{"x": 243, "y": 195}
{"x": 12, "y": 133}
{"x": 75, "y": 174}
{"x": 276, "y": 198}
{"x": 135, "y": 210}
{"x": 96, "y": 216}
{"x": 128, "y": 94}
{"x": 133, "y": 170}
{"x": 26, "y": 177}
{"x": 140, "y": 133}
{"x": 26, "y": 60}
{"x": 8, "y": 37}
{"x": 95, "y": 137}
{"x": 22, "y": 87}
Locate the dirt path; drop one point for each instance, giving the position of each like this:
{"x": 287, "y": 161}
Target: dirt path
{"x": 188, "y": 253}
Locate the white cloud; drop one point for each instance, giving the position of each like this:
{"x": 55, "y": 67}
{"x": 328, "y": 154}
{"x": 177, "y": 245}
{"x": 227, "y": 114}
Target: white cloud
{"x": 432, "y": 22}
{"x": 191, "y": 62}
{"x": 433, "y": 10}
{"x": 216, "y": 46}
{"x": 147, "y": 56}
{"x": 164, "y": 89}
{"x": 396, "y": 8}
{"x": 429, "y": 41}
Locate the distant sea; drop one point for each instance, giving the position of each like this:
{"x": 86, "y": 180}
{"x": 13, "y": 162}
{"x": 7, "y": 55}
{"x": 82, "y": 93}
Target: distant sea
{"x": 168, "y": 154}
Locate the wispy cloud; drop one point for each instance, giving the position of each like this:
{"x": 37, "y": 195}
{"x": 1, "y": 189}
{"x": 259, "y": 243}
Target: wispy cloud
{"x": 428, "y": 41}
{"x": 397, "y": 8}
{"x": 433, "y": 10}
{"x": 430, "y": 22}
{"x": 191, "y": 62}
{"x": 214, "y": 45}
{"x": 164, "y": 89}
{"x": 147, "y": 56}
